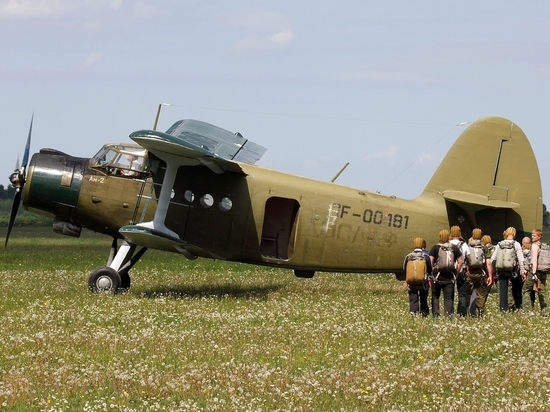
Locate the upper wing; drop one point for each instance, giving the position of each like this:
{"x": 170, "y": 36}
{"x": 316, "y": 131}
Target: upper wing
{"x": 201, "y": 143}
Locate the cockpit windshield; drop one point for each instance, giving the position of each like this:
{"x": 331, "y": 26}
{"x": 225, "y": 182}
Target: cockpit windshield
{"x": 121, "y": 160}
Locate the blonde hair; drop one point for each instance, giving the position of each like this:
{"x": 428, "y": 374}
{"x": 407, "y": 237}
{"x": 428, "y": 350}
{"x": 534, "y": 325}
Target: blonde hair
{"x": 486, "y": 239}
{"x": 477, "y": 233}
{"x": 511, "y": 231}
{"x": 537, "y": 231}
{"x": 418, "y": 242}
{"x": 443, "y": 236}
{"x": 455, "y": 231}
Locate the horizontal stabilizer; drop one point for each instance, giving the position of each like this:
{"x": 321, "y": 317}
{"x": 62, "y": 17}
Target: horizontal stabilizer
{"x": 477, "y": 199}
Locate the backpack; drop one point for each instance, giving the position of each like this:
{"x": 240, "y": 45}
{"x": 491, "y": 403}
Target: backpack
{"x": 445, "y": 258}
{"x": 477, "y": 254}
{"x": 506, "y": 256}
{"x": 459, "y": 246}
{"x": 543, "y": 262}
{"x": 488, "y": 248}
{"x": 527, "y": 262}
{"x": 416, "y": 270}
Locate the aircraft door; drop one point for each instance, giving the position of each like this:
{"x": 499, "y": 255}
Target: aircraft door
{"x": 279, "y": 227}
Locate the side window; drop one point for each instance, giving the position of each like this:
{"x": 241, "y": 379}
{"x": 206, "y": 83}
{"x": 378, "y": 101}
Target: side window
{"x": 132, "y": 165}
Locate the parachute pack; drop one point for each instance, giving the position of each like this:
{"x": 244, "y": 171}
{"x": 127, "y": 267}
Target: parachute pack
{"x": 416, "y": 270}
{"x": 477, "y": 254}
{"x": 488, "y": 248}
{"x": 543, "y": 261}
{"x": 446, "y": 258}
{"x": 506, "y": 256}
{"x": 527, "y": 262}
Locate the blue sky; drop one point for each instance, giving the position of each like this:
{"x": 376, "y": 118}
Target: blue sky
{"x": 382, "y": 85}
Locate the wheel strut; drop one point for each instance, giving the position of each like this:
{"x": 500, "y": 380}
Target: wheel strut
{"x": 115, "y": 276}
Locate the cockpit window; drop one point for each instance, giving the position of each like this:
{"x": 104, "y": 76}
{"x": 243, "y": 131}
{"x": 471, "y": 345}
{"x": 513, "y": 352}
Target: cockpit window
{"x": 121, "y": 160}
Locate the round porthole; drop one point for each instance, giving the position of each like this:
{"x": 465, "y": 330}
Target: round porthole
{"x": 225, "y": 204}
{"x": 189, "y": 196}
{"x": 207, "y": 201}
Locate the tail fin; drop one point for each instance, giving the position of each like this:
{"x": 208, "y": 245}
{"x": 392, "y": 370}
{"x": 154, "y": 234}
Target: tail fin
{"x": 490, "y": 179}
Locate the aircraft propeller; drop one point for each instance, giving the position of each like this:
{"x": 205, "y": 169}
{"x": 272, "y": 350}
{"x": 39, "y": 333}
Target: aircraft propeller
{"x": 17, "y": 179}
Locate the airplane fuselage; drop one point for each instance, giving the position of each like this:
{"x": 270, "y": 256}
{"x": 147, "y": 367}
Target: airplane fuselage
{"x": 255, "y": 216}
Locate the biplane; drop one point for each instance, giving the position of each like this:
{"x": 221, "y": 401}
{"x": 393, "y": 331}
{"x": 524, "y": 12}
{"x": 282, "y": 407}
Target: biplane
{"x": 195, "y": 190}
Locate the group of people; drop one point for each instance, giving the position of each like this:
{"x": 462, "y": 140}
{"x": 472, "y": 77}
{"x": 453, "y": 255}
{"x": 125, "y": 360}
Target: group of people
{"x": 471, "y": 268}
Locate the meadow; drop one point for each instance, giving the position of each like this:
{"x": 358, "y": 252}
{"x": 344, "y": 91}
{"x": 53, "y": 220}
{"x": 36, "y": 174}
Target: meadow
{"x": 215, "y": 336}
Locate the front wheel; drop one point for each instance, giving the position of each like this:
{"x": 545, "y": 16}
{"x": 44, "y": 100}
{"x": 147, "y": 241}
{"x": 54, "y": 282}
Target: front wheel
{"x": 104, "y": 279}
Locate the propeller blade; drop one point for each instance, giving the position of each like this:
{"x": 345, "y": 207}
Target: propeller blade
{"x": 14, "y": 208}
{"x": 27, "y": 146}
{"x": 17, "y": 180}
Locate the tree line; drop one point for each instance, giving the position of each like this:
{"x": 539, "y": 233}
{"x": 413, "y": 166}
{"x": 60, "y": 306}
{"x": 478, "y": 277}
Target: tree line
{"x": 24, "y": 218}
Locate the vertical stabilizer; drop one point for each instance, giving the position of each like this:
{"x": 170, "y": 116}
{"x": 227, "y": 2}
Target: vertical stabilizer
{"x": 490, "y": 179}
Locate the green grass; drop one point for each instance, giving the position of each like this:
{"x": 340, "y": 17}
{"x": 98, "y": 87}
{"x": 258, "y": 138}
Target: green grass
{"x": 217, "y": 336}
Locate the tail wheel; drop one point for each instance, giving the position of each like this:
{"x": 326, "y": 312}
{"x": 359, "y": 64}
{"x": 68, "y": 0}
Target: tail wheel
{"x": 104, "y": 279}
{"x": 307, "y": 274}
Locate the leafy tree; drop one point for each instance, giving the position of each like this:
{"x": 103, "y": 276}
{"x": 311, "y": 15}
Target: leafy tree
{"x": 7, "y": 193}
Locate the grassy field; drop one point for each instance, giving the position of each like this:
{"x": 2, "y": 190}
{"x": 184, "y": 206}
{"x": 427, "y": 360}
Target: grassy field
{"x": 213, "y": 336}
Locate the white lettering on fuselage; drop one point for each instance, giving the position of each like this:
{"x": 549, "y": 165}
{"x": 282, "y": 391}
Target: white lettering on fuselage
{"x": 347, "y": 223}
{"x": 333, "y": 210}
{"x": 97, "y": 179}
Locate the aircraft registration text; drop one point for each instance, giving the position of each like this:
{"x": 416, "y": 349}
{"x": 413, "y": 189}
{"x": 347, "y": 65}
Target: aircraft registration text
{"x": 377, "y": 217}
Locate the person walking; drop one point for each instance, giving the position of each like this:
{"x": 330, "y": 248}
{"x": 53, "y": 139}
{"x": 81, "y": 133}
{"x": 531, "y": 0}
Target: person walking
{"x": 509, "y": 263}
{"x": 446, "y": 261}
{"x": 461, "y": 284}
{"x": 417, "y": 283}
{"x": 535, "y": 279}
{"x": 479, "y": 276}
{"x": 528, "y": 293}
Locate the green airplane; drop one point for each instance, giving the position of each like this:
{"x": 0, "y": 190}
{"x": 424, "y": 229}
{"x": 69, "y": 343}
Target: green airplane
{"x": 196, "y": 191}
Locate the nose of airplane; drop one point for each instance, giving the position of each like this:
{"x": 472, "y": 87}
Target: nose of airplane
{"x": 53, "y": 183}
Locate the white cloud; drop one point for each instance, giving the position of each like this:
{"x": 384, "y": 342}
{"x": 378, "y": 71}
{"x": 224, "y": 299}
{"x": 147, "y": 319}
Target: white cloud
{"x": 283, "y": 38}
{"x": 263, "y": 21}
{"x": 310, "y": 164}
{"x": 115, "y": 4}
{"x": 258, "y": 45}
{"x": 29, "y": 9}
{"x": 142, "y": 9}
{"x": 386, "y": 154}
{"x": 424, "y": 157}
{"x": 91, "y": 60}
{"x": 379, "y": 76}
{"x": 25, "y": 9}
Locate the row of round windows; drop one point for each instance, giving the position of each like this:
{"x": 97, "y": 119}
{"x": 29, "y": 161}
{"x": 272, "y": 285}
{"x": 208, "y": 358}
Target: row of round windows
{"x": 207, "y": 201}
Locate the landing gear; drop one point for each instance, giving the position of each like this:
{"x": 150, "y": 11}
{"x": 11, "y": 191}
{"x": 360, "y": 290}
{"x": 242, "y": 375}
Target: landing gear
{"x": 307, "y": 274}
{"x": 104, "y": 279}
{"x": 115, "y": 277}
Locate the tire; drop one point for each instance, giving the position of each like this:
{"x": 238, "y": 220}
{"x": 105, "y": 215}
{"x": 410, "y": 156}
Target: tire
{"x": 104, "y": 280}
